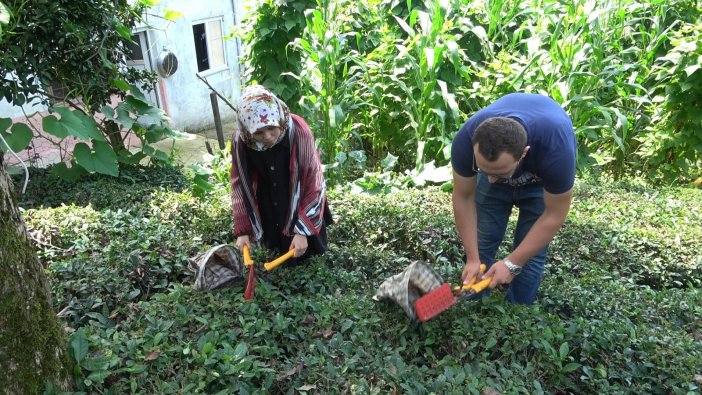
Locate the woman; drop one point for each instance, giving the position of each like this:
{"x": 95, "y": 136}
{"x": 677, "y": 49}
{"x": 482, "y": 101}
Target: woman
{"x": 278, "y": 190}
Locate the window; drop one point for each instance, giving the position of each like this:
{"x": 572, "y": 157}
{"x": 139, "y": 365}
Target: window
{"x": 135, "y": 55}
{"x": 209, "y": 45}
{"x": 58, "y": 92}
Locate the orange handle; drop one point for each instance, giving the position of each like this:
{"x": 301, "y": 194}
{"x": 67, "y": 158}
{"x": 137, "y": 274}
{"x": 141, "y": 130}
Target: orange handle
{"x": 278, "y": 261}
{"x": 247, "y": 256}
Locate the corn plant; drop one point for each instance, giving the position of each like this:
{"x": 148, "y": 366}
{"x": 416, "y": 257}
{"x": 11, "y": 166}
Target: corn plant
{"x": 410, "y": 74}
{"x": 429, "y": 106}
{"x": 328, "y": 75}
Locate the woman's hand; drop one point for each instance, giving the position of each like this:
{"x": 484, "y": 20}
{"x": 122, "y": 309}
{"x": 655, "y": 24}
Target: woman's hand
{"x": 299, "y": 243}
{"x": 242, "y": 241}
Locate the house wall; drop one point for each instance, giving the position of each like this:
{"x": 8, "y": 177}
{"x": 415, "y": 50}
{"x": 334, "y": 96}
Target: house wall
{"x": 183, "y": 96}
{"x": 7, "y": 110}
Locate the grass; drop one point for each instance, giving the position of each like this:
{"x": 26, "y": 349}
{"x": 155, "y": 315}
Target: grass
{"x": 618, "y": 311}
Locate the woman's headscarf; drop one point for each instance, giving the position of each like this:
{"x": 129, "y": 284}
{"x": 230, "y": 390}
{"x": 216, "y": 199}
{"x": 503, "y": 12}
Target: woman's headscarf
{"x": 259, "y": 108}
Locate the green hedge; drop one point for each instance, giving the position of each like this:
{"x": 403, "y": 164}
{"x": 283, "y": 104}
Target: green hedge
{"x": 618, "y": 310}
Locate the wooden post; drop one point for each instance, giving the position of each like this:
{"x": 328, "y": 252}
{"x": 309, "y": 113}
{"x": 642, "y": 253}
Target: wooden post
{"x": 217, "y": 119}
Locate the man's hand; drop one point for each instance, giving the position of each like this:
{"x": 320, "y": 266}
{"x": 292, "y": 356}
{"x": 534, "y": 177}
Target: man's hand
{"x": 299, "y": 243}
{"x": 500, "y": 274}
{"x": 470, "y": 270}
{"x": 242, "y": 241}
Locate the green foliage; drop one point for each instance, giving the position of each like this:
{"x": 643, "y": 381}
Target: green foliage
{"x": 48, "y": 41}
{"x": 416, "y": 71}
{"x": 269, "y": 30}
{"x": 134, "y": 186}
{"x": 410, "y": 74}
{"x": 327, "y": 77}
{"x": 675, "y": 150}
{"x": 81, "y": 45}
{"x": 17, "y": 138}
{"x": 212, "y": 173}
{"x": 617, "y": 312}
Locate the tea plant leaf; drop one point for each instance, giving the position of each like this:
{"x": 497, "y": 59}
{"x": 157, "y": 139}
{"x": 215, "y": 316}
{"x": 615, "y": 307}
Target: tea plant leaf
{"x": 96, "y": 363}
{"x": 99, "y": 376}
{"x": 563, "y": 351}
{"x": 490, "y": 343}
{"x": 79, "y": 345}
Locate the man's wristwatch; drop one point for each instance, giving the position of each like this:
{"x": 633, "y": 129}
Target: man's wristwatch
{"x": 513, "y": 269}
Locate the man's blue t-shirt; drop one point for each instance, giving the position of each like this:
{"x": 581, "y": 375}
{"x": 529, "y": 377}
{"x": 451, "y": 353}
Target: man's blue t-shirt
{"x": 551, "y": 158}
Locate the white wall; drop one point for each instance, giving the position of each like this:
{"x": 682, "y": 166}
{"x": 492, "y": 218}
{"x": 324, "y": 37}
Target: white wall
{"x": 8, "y": 110}
{"x": 185, "y": 98}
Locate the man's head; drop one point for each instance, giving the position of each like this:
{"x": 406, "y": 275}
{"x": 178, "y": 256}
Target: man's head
{"x": 499, "y": 143}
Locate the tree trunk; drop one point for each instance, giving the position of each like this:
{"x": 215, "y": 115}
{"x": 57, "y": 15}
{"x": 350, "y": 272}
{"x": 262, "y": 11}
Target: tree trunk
{"x": 32, "y": 343}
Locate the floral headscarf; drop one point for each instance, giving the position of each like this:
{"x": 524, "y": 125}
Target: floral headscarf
{"x": 259, "y": 108}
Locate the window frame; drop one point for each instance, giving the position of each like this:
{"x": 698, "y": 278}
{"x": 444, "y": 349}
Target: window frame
{"x": 223, "y": 66}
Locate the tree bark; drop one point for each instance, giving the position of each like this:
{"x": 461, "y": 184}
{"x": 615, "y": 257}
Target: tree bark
{"x": 32, "y": 342}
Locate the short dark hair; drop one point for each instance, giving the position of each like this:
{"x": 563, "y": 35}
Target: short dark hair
{"x": 500, "y": 134}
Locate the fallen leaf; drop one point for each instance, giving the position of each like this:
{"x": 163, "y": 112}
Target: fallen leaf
{"x": 491, "y": 391}
{"x": 323, "y": 333}
{"x": 152, "y": 356}
{"x": 697, "y": 378}
{"x": 307, "y": 387}
{"x": 295, "y": 370}
{"x": 309, "y": 319}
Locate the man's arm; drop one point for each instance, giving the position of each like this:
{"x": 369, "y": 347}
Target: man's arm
{"x": 465, "y": 215}
{"x": 556, "y": 209}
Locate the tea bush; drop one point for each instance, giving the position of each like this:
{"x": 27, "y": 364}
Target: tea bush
{"x": 618, "y": 312}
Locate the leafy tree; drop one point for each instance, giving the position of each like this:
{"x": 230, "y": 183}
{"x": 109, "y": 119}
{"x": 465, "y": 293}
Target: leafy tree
{"x": 82, "y": 46}
{"x": 270, "y": 31}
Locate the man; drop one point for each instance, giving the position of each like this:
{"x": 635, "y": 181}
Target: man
{"x": 519, "y": 151}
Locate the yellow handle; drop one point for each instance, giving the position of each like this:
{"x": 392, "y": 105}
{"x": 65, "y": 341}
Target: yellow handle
{"x": 247, "y": 256}
{"x": 480, "y": 287}
{"x": 472, "y": 281}
{"x": 278, "y": 261}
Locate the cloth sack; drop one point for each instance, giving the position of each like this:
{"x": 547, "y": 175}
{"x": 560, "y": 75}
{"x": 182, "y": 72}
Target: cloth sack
{"x": 406, "y": 287}
{"x": 219, "y": 267}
